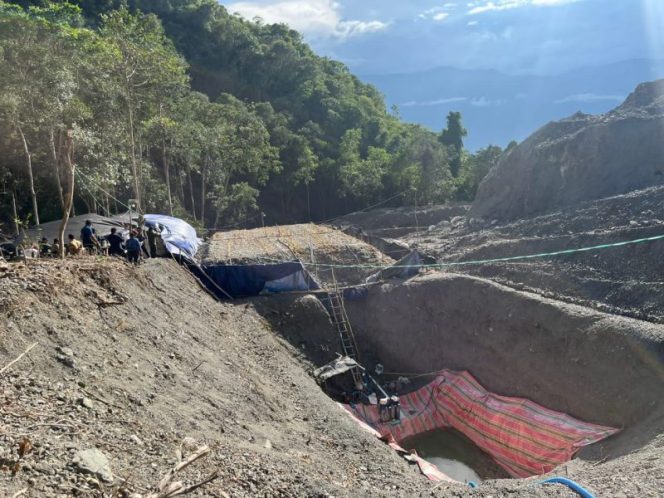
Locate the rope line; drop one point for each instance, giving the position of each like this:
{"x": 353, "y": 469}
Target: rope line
{"x": 87, "y": 178}
{"x": 366, "y": 208}
{"x": 494, "y": 260}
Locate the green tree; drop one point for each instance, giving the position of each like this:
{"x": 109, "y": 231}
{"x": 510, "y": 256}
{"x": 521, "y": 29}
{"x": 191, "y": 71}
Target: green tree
{"x": 147, "y": 70}
{"x": 452, "y": 137}
{"x": 475, "y": 167}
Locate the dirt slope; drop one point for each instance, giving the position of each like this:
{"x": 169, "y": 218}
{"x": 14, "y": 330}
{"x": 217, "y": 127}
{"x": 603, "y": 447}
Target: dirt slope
{"x": 627, "y": 280}
{"x": 133, "y": 360}
{"x": 579, "y": 158}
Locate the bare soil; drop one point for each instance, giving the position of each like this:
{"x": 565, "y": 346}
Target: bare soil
{"x": 314, "y": 244}
{"x": 133, "y": 361}
{"x": 626, "y": 281}
{"x": 143, "y": 364}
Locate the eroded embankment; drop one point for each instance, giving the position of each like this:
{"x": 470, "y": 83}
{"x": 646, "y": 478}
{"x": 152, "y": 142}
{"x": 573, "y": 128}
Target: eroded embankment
{"x": 132, "y": 361}
{"x": 596, "y": 367}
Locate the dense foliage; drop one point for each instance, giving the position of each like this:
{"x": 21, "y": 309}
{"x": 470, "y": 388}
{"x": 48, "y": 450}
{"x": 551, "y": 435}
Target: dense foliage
{"x": 195, "y": 112}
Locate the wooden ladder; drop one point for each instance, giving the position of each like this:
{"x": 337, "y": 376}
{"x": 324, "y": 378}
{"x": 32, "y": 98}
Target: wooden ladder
{"x": 341, "y": 322}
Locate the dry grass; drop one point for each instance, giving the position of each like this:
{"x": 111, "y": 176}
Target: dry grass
{"x": 286, "y": 243}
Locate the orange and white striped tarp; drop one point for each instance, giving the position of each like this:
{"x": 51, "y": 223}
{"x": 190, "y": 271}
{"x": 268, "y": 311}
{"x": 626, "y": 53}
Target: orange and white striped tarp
{"x": 523, "y": 437}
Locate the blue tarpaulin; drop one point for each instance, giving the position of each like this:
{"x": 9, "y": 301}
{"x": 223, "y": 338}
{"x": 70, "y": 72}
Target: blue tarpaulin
{"x": 252, "y": 280}
{"x": 179, "y": 236}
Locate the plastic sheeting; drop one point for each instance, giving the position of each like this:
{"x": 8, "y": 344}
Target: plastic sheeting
{"x": 179, "y": 237}
{"x": 334, "y": 368}
{"x": 406, "y": 267}
{"x": 252, "y": 280}
{"x": 102, "y": 225}
{"x": 523, "y": 437}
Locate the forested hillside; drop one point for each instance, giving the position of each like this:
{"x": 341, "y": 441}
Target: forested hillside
{"x": 198, "y": 113}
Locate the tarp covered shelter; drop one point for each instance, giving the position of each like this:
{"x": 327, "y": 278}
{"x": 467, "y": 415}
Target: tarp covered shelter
{"x": 179, "y": 237}
{"x": 102, "y": 224}
{"x": 253, "y": 280}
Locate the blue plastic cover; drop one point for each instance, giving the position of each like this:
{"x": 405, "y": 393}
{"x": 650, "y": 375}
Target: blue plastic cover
{"x": 252, "y": 280}
{"x": 179, "y": 236}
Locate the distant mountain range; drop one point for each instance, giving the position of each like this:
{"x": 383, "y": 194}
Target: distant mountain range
{"x": 499, "y": 107}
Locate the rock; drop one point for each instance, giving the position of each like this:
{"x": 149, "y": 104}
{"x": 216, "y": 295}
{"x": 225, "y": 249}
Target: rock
{"x": 67, "y": 361}
{"x": 85, "y": 402}
{"x": 136, "y": 440}
{"x": 93, "y": 461}
{"x": 634, "y": 223}
{"x": 65, "y": 351}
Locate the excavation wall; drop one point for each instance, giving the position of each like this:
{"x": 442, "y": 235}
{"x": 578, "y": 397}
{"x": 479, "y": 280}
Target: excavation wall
{"x": 596, "y": 367}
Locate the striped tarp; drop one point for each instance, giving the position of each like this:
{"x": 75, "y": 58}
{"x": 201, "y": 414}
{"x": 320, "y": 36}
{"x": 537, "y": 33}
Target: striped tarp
{"x": 523, "y": 437}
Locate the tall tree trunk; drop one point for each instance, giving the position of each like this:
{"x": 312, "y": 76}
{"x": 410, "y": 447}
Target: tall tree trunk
{"x": 56, "y": 166}
{"x": 191, "y": 193}
{"x": 180, "y": 185}
{"x": 132, "y": 150}
{"x": 167, "y": 176}
{"x": 69, "y": 170}
{"x": 203, "y": 189}
{"x": 28, "y": 165}
{"x": 17, "y": 227}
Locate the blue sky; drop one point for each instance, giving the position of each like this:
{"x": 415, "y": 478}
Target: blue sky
{"x": 514, "y": 36}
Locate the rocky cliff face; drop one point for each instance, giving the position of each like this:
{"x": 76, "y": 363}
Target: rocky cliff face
{"x": 580, "y": 158}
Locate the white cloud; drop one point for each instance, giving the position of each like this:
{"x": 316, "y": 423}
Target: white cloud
{"x": 474, "y": 101}
{"x": 590, "y": 97}
{"x": 484, "y": 102}
{"x": 482, "y": 6}
{"x": 427, "y": 103}
{"x": 313, "y": 17}
{"x": 438, "y": 13}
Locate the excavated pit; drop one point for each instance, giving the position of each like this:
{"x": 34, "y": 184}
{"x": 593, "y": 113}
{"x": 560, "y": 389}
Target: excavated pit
{"x": 455, "y": 455}
{"x": 596, "y": 367}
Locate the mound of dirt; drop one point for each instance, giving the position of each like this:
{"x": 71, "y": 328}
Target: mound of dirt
{"x": 312, "y": 244}
{"x": 579, "y": 158}
{"x": 134, "y": 368}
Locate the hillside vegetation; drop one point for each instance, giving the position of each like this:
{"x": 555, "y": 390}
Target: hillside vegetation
{"x": 196, "y": 112}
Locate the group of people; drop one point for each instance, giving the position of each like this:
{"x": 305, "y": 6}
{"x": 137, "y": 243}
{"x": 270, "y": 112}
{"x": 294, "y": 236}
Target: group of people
{"x": 132, "y": 247}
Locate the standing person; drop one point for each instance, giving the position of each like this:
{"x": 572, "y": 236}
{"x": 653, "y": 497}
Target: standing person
{"x": 115, "y": 243}
{"x": 55, "y": 248}
{"x": 89, "y": 237}
{"x": 140, "y": 235}
{"x": 133, "y": 246}
{"x": 153, "y": 233}
{"x": 74, "y": 247}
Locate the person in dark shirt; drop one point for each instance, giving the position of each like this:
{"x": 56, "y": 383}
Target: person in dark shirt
{"x": 152, "y": 241}
{"x": 133, "y": 246}
{"x": 44, "y": 248}
{"x": 114, "y": 243}
{"x": 89, "y": 237}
